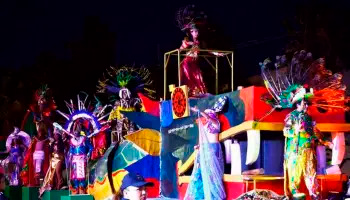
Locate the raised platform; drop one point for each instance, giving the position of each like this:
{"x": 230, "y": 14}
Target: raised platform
{"x": 15, "y": 192}
{"x": 54, "y": 194}
{"x": 30, "y": 193}
{"x": 78, "y": 197}
{"x": 236, "y": 185}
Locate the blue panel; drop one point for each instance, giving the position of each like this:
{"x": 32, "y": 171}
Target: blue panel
{"x": 148, "y": 167}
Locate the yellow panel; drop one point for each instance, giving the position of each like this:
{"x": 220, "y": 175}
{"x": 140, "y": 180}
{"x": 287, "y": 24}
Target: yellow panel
{"x": 102, "y": 189}
{"x": 147, "y": 139}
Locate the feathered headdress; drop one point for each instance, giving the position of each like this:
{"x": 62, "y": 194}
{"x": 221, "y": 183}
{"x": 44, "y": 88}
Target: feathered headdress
{"x": 134, "y": 79}
{"x": 303, "y": 78}
{"x": 43, "y": 92}
{"x": 43, "y": 102}
{"x": 80, "y": 114}
{"x": 188, "y": 18}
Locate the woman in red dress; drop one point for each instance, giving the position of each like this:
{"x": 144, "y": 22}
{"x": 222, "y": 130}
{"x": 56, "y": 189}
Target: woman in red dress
{"x": 190, "y": 73}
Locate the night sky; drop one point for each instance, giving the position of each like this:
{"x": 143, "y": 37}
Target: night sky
{"x": 69, "y": 44}
{"x": 135, "y": 32}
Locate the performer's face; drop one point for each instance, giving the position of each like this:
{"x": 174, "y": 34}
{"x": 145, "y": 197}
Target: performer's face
{"x": 302, "y": 106}
{"x": 41, "y": 101}
{"x": 135, "y": 193}
{"x": 125, "y": 94}
{"x": 56, "y": 136}
{"x": 77, "y": 129}
{"x": 194, "y": 33}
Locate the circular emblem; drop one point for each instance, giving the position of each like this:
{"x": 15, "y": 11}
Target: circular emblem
{"x": 179, "y": 102}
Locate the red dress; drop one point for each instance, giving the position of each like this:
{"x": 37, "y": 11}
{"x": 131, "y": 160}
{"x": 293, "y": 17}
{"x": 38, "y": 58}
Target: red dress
{"x": 28, "y": 172}
{"x": 190, "y": 73}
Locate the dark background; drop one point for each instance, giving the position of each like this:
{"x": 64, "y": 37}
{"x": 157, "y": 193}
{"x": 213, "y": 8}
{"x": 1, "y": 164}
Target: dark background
{"x": 70, "y": 44}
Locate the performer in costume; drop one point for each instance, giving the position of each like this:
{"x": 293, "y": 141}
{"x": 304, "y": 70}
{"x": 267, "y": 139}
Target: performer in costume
{"x": 40, "y": 110}
{"x": 79, "y": 154}
{"x": 303, "y": 82}
{"x": 99, "y": 141}
{"x": 16, "y": 145}
{"x": 123, "y": 125}
{"x": 300, "y": 150}
{"x": 190, "y": 73}
{"x": 36, "y": 161}
{"x": 209, "y": 163}
{"x": 122, "y": 86}
{"x": 54, "y": 178}
{"x": 81, "y": 126}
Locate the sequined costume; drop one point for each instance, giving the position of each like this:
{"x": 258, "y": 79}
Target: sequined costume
{"x": 122, "y": 86}
{"x": 301, "y": 81}
{"x": 42, "y": 109}
{"x": 82, "y": 124}
{"x": 190, "y": 73}
{"x": 54, "y": 178}
{"x": 36, "y": 163}
{"x": 16, "y": 144}
{"x": 123, "y": 125}
{"x": 79, "y": 152}
{"x": 300, "y": 153}
{"x": 209, "y": 163}
{"x": 99, "y": 143}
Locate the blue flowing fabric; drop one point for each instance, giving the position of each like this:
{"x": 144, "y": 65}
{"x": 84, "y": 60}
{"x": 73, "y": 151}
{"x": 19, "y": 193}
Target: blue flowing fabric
{"x": 206, "y": 179}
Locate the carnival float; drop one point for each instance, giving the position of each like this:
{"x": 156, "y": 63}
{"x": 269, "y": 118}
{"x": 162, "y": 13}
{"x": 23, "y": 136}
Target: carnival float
{"x": 257, "y": 142}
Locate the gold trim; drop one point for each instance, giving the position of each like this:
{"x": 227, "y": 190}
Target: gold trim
{"x": 188, "y": 163}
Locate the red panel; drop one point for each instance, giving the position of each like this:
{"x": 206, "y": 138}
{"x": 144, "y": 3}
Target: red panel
{"x": 224, "y": 122}
{"x": 182, "y": 190}
{"x": 151, "y": 106}
{"x": 153, "y": 192}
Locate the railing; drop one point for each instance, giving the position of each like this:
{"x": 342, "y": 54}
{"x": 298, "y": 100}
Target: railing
{"x": 206, "y": 54}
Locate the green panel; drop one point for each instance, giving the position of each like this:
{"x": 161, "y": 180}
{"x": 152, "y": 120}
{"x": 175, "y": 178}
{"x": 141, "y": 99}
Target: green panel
{"x": 54, "y": 194}
{"x": 30, "y": 193}
{"x": 2, "y": 145}
{"x": 78, "y": 197}
{"x": 127, "y": 154}
{"x": 13, "y": 192}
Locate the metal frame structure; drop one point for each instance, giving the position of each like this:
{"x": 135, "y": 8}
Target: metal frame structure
{"x": 208, "y": 54}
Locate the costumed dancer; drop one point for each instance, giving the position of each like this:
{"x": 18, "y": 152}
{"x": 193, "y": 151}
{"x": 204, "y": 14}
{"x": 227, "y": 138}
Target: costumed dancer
{"x": 122, "y": 86}
{"x": 190, "y": 73}
{"x": 16, "y": 145}
{"x": 209, "y": 163}
{"x": 80, "y": 127}
{"x": 303, "y": 82}
{"x": 99, "y": 141}
{"x": 300, "y": 160}
{"x": 40, "y": 110}
{"x": 79, "y": 154}
{"x": 54, "y": 177}
{"x": 36, "y": 161}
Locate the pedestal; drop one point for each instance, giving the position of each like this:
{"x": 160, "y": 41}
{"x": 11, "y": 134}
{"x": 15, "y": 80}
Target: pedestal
{"x": 30, "y": 193}
{"x": 78, "y": 197}
{"x": 15, "y": 192}
{"x": 54, "y": 194}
